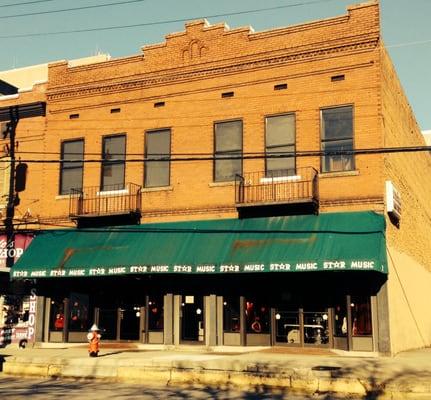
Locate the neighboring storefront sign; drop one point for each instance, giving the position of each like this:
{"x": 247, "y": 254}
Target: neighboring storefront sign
{"x": 16, "y": 250}
{"x": 334, "y": 265}
{"x": 18, "y": 325}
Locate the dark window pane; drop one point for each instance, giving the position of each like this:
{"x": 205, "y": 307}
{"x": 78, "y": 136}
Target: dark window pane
{"x": 158, "y": 144}
{"x": 343, "y": 162}
{"x": 155, "y": 313}
{"x": 71, "y": 172}
{"x": 256, "y": 317}
{"x": 225, "y": 170}
{"x": 156, "y": 173}
{"x": 231, "y": 317}
{"x": 73, "y": 150}
{"x": 361, "y": 315}
{"x": 337, "y": 135}
{"x": 113, "y": 165}
{"x": 279, "y": 138}
{"x": 56, "y": 322}
{"x": 71, "y": 179}
{"x": 280, "y": 166}
{"x": 114, "y": 148}
{"x": 113, "y": 177}
{"x": 78, "y": 314}
{"x": 228, "y": 136}
{"x": 228, "y": 143}
{"x": 280, "y": 130}
{"x": 340, "y": 318}
{"x": 337, "y": 123}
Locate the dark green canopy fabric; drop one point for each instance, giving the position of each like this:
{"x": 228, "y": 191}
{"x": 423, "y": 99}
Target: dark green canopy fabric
{"x": 326, "y": 242}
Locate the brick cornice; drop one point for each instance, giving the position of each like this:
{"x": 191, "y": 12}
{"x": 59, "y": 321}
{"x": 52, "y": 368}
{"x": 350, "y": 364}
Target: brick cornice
{"x": 234, "y": 66}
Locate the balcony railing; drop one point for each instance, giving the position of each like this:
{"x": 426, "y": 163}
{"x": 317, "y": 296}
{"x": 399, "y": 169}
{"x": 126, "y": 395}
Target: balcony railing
{"x": 113, "y": 200}
{"x": 260, "y": 188}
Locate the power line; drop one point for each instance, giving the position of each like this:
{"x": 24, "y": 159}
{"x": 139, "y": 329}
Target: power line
{"x": 243, "y": 156}
{"x": 163, "y": 22}
{"x": 25, "y": 3}
{"x": 71, "y": 9}
{"x": 391, "y": 46}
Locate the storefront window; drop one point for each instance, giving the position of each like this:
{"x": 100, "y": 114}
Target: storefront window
{"x": 78, "y": 313}
{"x": 340, "y": 319}
{"x": 256, "y": 317}
{"x": 287, "y": 327}
{"x": 361, "y": 315}
{"x": 56, "y": 322}
{"x": 316, "y": 328}
{"x": 155, "y": 313}
{"x": 231, "y": 316}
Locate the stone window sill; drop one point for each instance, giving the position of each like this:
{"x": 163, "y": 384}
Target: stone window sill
{"x": 157, "y": 189}
{"x": 338, "y": 174}
{"x": 221, "y": 184}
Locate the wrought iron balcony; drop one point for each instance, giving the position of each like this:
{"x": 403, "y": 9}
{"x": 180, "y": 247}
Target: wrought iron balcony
{"x": 260, "y": 188}
{"x": 112, "y": 201}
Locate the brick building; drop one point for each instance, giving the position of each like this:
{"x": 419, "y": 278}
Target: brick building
{"x": 235, "y": 230}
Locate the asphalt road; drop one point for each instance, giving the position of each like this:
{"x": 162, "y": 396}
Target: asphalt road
{"x": 24, "y": 388}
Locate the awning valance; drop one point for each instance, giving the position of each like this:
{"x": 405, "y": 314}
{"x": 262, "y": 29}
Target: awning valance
{"x": 327, "y": 242}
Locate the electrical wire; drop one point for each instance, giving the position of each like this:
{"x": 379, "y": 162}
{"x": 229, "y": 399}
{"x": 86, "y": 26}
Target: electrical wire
{"x": 106, "y": 28}
{"x": 243, "y": 156}
{"x": 71, "y": 9}
{"x": 25, "y": 3}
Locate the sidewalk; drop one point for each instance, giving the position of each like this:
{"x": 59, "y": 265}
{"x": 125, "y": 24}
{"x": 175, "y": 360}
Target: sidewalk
{"x": 408, "y": 375}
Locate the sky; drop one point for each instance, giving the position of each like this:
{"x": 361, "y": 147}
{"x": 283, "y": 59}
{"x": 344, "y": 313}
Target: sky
{"x": 405, "y": 25}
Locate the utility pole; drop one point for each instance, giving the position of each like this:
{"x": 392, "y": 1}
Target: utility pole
{"x": 10, "y": 209}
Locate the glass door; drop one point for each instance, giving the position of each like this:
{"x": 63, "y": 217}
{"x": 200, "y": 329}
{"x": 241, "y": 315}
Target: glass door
{"x": 192, "y": 319}
{"x": 130, "y": 319}
{"x": 108, "y": 323}
{"x": 316, "y": 328}
{"x": 287, "y": 327}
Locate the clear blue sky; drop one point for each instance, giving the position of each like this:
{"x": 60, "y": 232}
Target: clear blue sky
{"x": 403, "y": 21}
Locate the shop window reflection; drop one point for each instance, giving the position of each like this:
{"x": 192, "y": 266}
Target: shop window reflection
{"x": 56, "y": 322}
{"x": 78, "y": 312}
{"x": 256, "y": 317}
{"x": 155, "y": 313}
{"x": 231, "y": 314}
{"x": 287, "y": 327}
{"x": 316, "y": 328}
{"x": 340, "y": 319}
{"x": 361, "y": 315}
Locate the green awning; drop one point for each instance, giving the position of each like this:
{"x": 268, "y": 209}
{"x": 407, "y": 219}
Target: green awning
{"x": 327, "y": 242}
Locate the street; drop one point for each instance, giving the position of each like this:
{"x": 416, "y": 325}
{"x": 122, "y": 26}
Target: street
{"x": 23, "y": 388}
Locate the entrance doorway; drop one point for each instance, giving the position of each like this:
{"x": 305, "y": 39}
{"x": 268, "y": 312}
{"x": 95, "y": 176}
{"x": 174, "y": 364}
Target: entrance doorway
{"x": 302, "y": 327}
{"x": 121, "y": 323}
{"x": 130, "y": 321}
{"x": 192, "y": 319}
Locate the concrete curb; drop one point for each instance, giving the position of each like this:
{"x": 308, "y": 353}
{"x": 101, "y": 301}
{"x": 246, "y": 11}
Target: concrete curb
{"x": 299, "y": 380}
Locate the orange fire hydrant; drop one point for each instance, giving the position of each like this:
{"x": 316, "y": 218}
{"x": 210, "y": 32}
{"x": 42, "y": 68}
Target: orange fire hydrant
{"x": 94, "y": 340}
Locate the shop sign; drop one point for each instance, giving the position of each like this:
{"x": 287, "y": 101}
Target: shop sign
{"x": 15, "y": 249}
{"x": 393, "y": 201}
{"x": 327, "y": 265}
{"x": 19, "y": 327}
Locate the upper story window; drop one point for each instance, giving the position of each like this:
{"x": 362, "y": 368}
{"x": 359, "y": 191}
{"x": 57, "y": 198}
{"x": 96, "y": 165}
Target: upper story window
{"x": 157, "y": 145}
{"x": 279, "y": 139}
{"x": 71, "y": 174}
{"x": 113, "y": 164}
{"x": 227, "y": 143}
{"x": 337, "y": 135}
